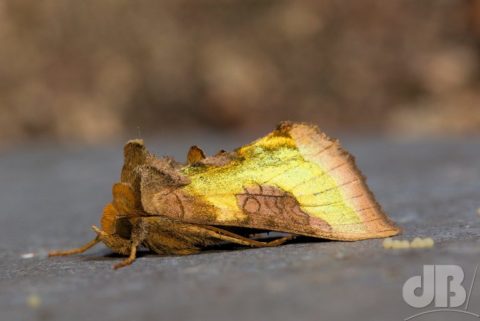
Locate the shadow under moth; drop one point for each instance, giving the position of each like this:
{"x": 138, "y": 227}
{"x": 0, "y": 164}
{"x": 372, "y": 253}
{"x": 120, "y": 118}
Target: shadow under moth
{"x": 295, "y": 180}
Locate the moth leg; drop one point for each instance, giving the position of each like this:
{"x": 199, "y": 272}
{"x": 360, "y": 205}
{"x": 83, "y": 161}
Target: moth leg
{"x": 77, "y": 250}
{"x": 131, "y": 258}
{"x": 138, "y": 236}
{"x": 281, "y": 240}
{"x": 238, "y": 239}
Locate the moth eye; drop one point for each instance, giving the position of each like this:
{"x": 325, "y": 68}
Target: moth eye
{"x": 123, "y": 227}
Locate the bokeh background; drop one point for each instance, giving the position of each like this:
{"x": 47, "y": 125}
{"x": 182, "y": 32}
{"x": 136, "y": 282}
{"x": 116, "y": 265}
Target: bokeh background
{"x": 92, "y": 71}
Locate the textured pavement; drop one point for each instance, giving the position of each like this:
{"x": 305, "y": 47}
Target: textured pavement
{"x": 50, "y": 196}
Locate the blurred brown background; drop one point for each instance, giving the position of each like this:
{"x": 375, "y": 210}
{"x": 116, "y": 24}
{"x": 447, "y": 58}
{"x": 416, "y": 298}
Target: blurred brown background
{"x": 92, "y": 70}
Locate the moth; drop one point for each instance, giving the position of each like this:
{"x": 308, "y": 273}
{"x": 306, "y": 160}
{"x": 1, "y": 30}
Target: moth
{"x": 295, "y": 180}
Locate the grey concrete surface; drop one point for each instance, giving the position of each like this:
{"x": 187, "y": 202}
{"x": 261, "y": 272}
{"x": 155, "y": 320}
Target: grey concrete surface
{"x": 49, "y": 196}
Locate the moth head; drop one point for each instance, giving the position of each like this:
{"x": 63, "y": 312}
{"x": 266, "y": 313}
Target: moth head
{"x": 114, "y": 224}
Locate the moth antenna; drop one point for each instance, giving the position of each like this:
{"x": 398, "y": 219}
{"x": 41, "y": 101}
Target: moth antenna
{"x": 77, "y": 250}
{"x": 139, "y": 132}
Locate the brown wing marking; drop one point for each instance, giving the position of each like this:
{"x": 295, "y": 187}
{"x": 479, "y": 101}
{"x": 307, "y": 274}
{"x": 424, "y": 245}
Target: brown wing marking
{"x": 162, "y": 195}
{"x": 169, "y": 201}
{"x": 272, "y": 208}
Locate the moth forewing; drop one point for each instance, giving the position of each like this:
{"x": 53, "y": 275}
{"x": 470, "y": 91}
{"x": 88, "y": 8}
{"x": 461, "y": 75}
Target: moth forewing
{"x": 295, "y": 179}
